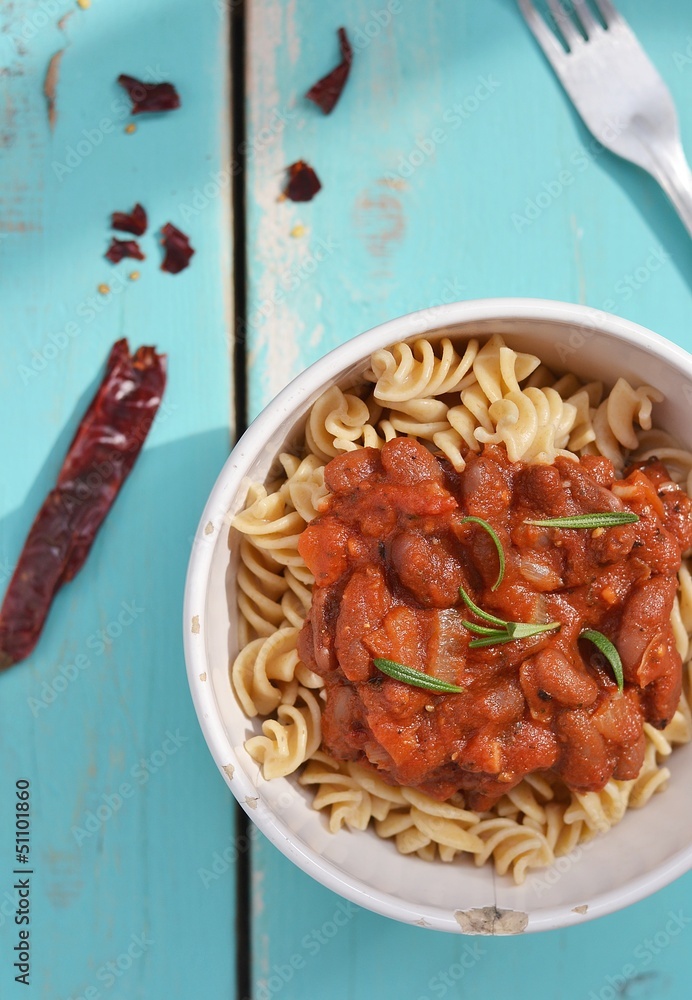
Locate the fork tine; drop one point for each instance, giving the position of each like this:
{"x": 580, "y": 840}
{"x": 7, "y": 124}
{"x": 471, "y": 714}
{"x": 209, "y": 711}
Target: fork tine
{"x": 544, "y": 36}
{"x": 609, "y": 14}
{"x": 565, "y": 25}
{"x": 583, "y": 14}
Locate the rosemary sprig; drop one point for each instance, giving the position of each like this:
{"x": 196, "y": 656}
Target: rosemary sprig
{"x": 492, "y": 619}
{"x": 498, "y": 544}
{"x": 605, "y": 519}
{"x": 504, "y": 631}
{"x": 407, "y": 675}
{"x": 611, "y": 654}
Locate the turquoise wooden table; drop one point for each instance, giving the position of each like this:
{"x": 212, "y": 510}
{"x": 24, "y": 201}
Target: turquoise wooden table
{"x": 453, "y": 167}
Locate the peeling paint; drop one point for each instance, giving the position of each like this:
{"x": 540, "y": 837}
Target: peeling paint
{"x": 50, "y": 87}
{"x": 251, "y": 801}
{"x": 229, "y": 771}
{"x": 581, "y": 909}
{"x": 195, "y": 624}
{"x": 490, "y": 920}
{"x": 208, "y": 528}
{"x": 203, "y": 676}
{"x": 380, "y": 222}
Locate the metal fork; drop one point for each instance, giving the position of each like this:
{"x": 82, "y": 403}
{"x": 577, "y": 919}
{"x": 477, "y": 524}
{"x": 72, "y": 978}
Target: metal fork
{"x": 617, "y": 91}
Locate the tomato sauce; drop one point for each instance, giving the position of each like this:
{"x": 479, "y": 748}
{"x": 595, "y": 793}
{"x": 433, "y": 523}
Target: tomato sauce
{"x": 389, "y": 555}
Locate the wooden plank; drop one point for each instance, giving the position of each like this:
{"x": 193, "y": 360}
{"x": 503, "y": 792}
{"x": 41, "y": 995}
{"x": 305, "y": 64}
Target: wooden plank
{"x": 508, "y": 197}
{"x": 113, "y": 865}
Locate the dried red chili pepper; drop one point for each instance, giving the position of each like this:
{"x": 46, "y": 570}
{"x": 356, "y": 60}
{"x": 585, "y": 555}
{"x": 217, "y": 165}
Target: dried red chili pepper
{"x": 149, "y": 97}
{"x": 303, "y": 183}
{"x": 123, "y": 248}
{"x": 177, "y": 247}
{"x": 100, "y": 458}
{"x": 134, "y": 222}
{"x": 327, "y": 91}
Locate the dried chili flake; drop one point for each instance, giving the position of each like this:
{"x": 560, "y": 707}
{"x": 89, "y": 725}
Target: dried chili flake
{"x": 327, "y": 91}
{"x": 134, "y": 222}
{"x": 303, "y": 183}
{"x": 148, "y": 97}
{"x": 177, "y": 247}
{"x": 97, "y": 464}
{"x": 123, "y": 248}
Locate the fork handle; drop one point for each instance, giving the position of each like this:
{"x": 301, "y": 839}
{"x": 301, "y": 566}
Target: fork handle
{"x": 675, "y": 177}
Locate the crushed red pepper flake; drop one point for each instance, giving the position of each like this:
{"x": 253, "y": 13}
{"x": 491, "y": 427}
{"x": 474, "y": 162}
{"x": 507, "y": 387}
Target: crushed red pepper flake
{"x": 303, "y": 183}
{"x": 327, "y": 91}
{"x": 134, "y": 222}
{"x": 119, "y": 249}
{"x": 177, "y": 247}
{"x": 149, "y": 97}
{"x": 99, "y": 460}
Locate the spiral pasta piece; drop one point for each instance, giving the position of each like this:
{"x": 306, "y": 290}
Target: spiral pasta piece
{"x": 335, "y": 416}
{"x": 600, "y": 810}
{"x": 304, "y": 487}
{"x": 274, "y": 526}
{"x": 290, "y": 739}
{"x": 513, "y": 846}
{"x": 533, "y": 425}
{"x": 420, "y": 370}
{"x": 259, "y": 668}
{"x": 498, "y": 369}
{"x": 626, "y": 405}
{"x": 261, "y": 587}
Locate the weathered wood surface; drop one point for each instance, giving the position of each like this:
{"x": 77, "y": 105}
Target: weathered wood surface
{"x": 113, "y": 871}
{"x": 454, "y": 167}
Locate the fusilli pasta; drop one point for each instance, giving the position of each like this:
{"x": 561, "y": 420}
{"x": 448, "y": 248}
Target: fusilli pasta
{"x": 455, "y": 401}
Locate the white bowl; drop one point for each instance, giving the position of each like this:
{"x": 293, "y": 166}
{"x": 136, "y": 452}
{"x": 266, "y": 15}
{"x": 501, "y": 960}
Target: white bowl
{"x": 646, "y": 851}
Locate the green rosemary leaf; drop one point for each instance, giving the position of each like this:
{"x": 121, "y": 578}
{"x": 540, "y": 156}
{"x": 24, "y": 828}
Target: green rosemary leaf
{"x": 606, "y": 519}
{"x": 416, "y": 678}
{"x": 492, "y": 619}
{"x": 498, "y": 545}
{"x": 611, "y": 654}
{"x": 481, "y": 629}
{"x": 490, "y": 640}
